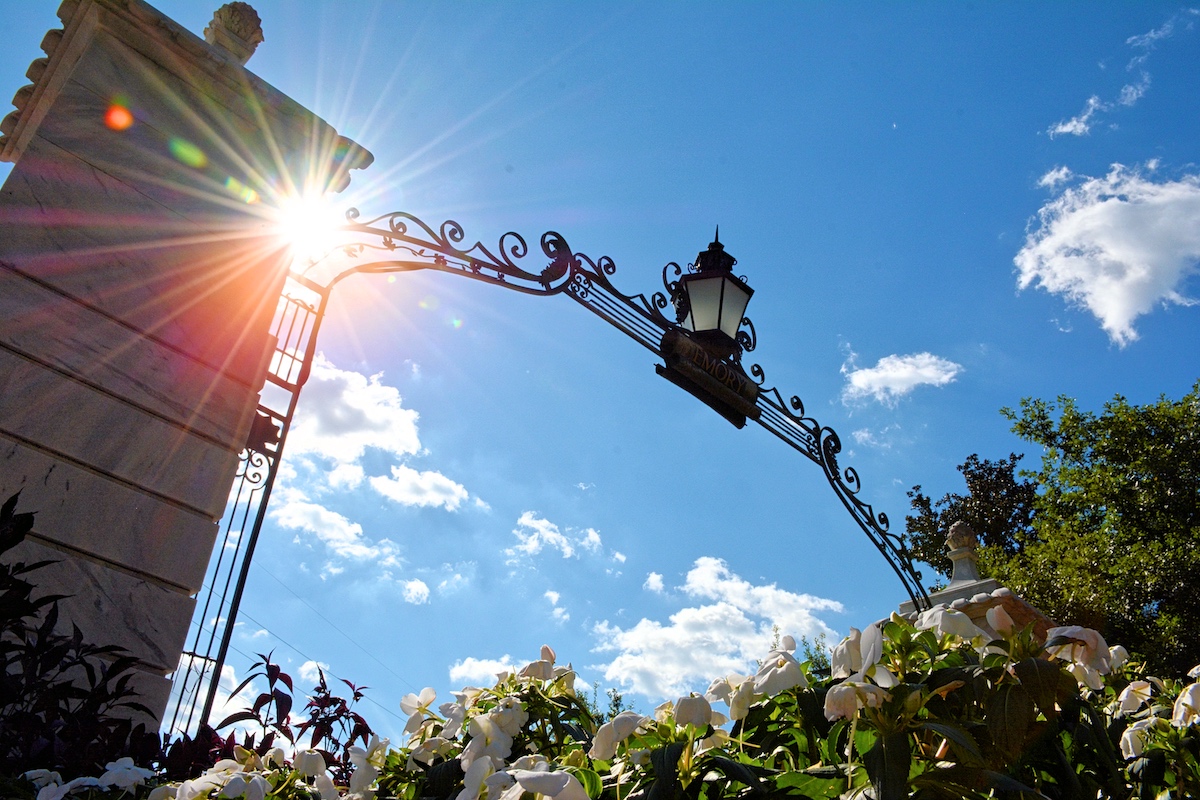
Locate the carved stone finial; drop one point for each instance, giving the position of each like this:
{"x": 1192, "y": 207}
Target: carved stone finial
{"x": 961, "y": 535}
{"x": 235, "y": 30}
{"x": 962, "y": 543}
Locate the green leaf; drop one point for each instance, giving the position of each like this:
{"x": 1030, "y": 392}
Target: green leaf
{"x": 962, "y": 741}
{"x": 1047, "y": 683}
{"x": 1010, "y": 713}
{"x": 887, "y": 764}
{"x": 590, "y": 780}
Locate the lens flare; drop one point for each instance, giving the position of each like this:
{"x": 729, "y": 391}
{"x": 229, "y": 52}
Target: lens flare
{"x": 309, "y": 224}
{"x": 118, "y": 117}
{"x": 187, "y": 153}
{"x": 241, "y": 190}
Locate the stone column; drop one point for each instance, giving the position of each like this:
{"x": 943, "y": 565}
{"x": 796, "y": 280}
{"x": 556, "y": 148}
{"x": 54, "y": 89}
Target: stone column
{"x": 139, "y": 273}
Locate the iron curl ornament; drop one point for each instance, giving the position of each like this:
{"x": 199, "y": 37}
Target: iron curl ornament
{"x": 399, "y": 242}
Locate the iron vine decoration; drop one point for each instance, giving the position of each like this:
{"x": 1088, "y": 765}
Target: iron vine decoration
{"x": 402, "y": 242}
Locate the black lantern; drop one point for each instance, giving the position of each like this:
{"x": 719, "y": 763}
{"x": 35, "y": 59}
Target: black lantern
{"x": 713, "y": 299}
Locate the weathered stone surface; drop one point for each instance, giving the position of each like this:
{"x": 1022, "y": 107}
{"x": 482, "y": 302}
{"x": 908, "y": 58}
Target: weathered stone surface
{"x": 111, "y": 607}
{"x": 70, "y": 336}
{"x": 107, "y": 520}
{"x": 68, "y": 419}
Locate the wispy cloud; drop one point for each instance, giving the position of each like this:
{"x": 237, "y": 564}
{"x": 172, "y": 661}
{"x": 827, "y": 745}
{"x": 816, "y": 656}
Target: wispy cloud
{"x": 717, "y": 637}
{"x": 1127, "y": 96}
{"x": 535, "y": 534}
{"x": 1117, "y": 246}
{"x": 894, "y": 376}
{"x": 559, "y": 613}
{"x": 341, "y": 536}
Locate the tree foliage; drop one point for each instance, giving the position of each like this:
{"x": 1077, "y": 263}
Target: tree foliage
{"x": 1108, "y": 533}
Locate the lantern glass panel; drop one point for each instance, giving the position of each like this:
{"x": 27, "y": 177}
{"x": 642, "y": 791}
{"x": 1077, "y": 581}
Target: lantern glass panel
{"x": 704, "y": 297}
{"x": 733, "y": 306}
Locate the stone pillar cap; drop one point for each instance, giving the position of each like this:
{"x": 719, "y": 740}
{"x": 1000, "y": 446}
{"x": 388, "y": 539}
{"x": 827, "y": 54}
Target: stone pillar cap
{"x": 235, "y": 31}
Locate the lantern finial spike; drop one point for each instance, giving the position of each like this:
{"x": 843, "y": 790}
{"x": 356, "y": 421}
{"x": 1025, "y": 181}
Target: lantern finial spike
{"x": 717, "y": 235}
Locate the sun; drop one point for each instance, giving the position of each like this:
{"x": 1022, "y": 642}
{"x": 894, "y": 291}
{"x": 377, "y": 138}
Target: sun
{"x": 310, "y": 225}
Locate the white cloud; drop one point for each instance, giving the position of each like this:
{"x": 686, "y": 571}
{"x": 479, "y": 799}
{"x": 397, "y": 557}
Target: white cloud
{"x": 618, "y": 556}
{"x": 1054, "y": 177}
{"x": 723, "y": 636}
{"x": 473, "y": 671}
{"x": 535, "y": 534}
{"x": 559, "y": 613}
{"x": 343, "y": 537}
{"x": 416, "y": 592}
{"x": 1117, "y": 246}
{"x": 452, "y": 584}
{"x": 310, "y": 672}
{"x": 654, "y": 583}
{"x": 1081, "y": 123}
{"x": 412, "y": 488}
{"x": 882, "y": 438}
{"x": 343, "y": 412}
{"x": 895, "y": 376}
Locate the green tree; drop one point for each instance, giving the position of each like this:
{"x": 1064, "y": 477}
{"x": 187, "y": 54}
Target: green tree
{"x": 998, "y": 506}
{"x": 1113, "y": 541}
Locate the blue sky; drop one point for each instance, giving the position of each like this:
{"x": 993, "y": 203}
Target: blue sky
{"x": 942, "y": 209}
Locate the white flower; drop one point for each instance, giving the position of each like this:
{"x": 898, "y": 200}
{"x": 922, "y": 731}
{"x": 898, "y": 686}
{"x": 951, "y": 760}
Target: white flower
{"x": 718, "y": 691}
{"x": 164, "y": 792}
{"x": 559, "y": 785}
{"x": 1133, "y": 740}
{"x": 1133, "y": 696}
{"x": 309, "y": 763}
{"x": 42, "y": 777}
{"x": 847, "y": 657}
{"x": 124, "y": 774}
{"x": 741, "y": 699}
{"x": 664, "y": 710}
{"x": 613, "y": 732}
{"x": 845, "y": 699}
{"x": 779, "y": 672}
{"x": 1117, "y": 656}
{"x": 787, "y": 643}
{"x": 548, "y": 654}
{"x": 477, "y": 773}
{"x": 948, "y": 621}
{"x": 509, "y": 715}
{"x": 275, "y": 757}
{"x": 1000, "y": 621}
{"x": 253, "y": 787}
{"x": 417, "y": 707}
{"x": 374, "y": 755}
{"x": 431, "y": 748}
{"x": 1086, "y": 676}
{"x": 325, "y": 786}
{"x": 200, "y": 787}
{"x": 693, "y": 710}
{"x": 1089, "y": 647}
{"x": 538, "y": 670}
{"x": 487, "y": 739}
{"x": 1187, "y": 707}
{"x": 1194, "y": 672}
{"x": 454, "y": 713}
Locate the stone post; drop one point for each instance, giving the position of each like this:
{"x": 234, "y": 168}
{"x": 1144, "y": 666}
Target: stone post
{"x": 139, "y": 274}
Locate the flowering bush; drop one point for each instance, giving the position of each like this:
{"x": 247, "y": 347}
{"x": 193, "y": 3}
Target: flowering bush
{"x": 928, "y": 707}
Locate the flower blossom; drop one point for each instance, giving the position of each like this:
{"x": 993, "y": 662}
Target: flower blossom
{"x": 693, "y": 710}
{"x": 417, "y": 706}
{"x": 124, "y": 774}
{"x": 613, "y": 732}
{"x": 779, "y": 672}
{"x": 949, "y": 621}
{"x": 1118, "y": 656}
{"x": 487, "y": 740}
{"x": 1187, "y": 707}
{"x": 1133, "y": 740}
{"x": 1000, "y": 621}
{"x": 509, "y": 715}
{"x": 309, "y": 763}
{"x": 558, "y": 785}
{"x": 53, "y": 791}
{"x": 1088, "y": 649}
{"x": 250, "y": 787}
{"x": 845, "y": 699}
{"x": 1133, "y": 696}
